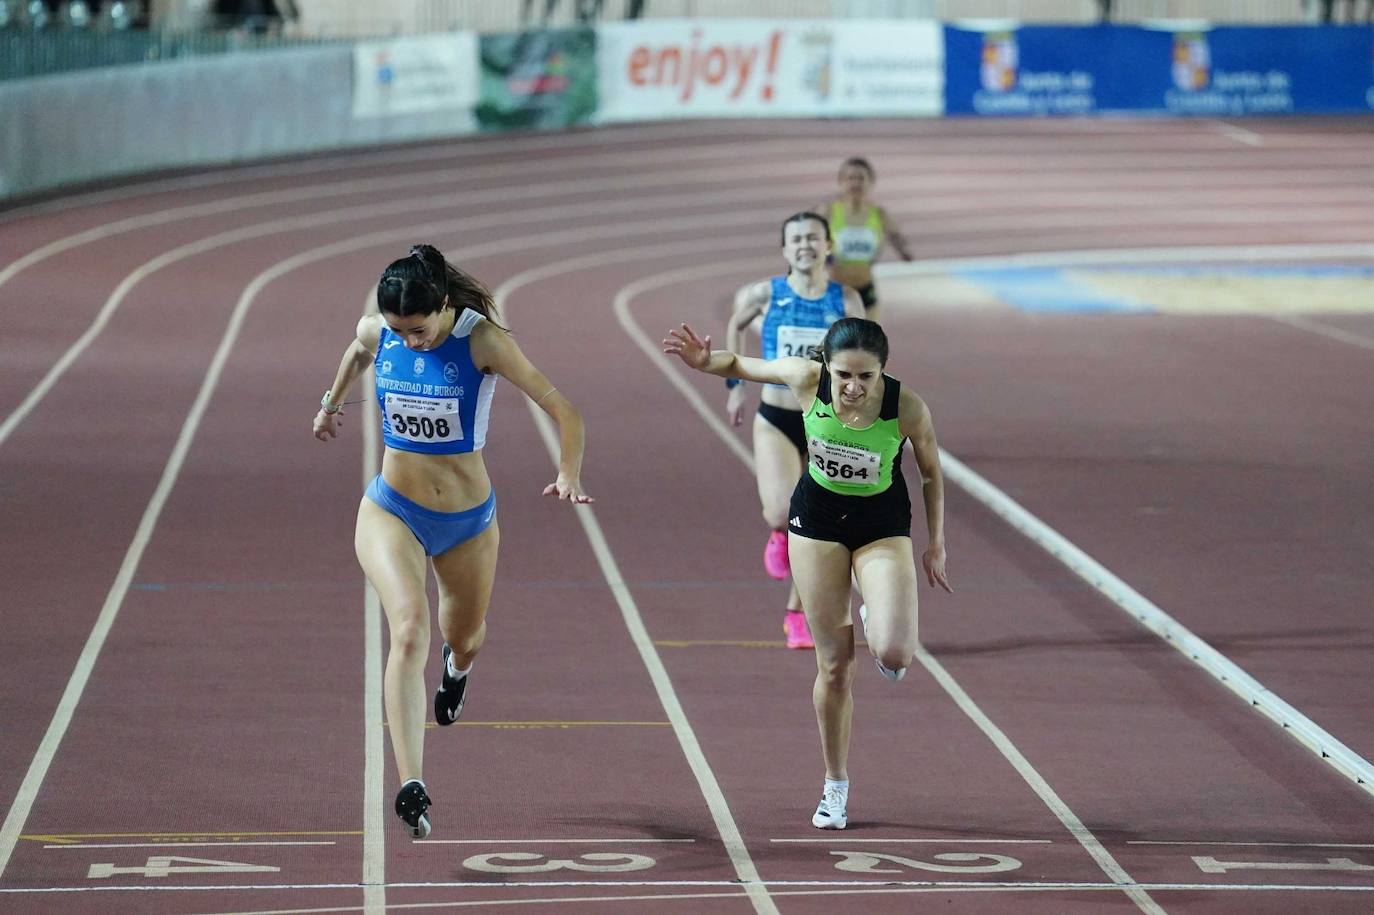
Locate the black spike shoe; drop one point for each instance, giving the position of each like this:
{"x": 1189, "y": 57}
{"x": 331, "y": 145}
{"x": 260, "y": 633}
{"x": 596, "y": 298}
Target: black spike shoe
{"x": 448, "y": 698}
{"x": 411, "y": 804}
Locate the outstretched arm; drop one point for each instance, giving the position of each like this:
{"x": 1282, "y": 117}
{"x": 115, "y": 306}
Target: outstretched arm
{"x": 894, "y": 235}
{"x": 495, "y": 351}
{"x": 750, "y": 302}
{"x": 354, "y": 362}
{"x": 914, "y": 421}
{"x": 696, "y": 352}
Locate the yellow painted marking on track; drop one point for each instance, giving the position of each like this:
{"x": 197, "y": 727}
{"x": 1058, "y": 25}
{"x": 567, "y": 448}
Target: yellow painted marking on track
{"x": 69, "y": 838}
{"x": 728, "y": 643}
{"x": 561, "y": 724}
{"x": 550, "y": 724}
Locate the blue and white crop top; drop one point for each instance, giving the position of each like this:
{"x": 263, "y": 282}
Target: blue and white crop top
{"x": 794, "y": 326}
{"x": 436, "y": 401}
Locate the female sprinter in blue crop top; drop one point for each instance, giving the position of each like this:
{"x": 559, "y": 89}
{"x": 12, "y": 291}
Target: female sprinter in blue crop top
{"x": 437, "y": 351}
{"x": 793, "y": 312}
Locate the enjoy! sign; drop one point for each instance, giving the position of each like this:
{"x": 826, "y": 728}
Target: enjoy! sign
{"x": 660, "y": 69}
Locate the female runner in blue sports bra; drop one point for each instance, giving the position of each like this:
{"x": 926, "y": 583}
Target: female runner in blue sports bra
{"x": 794, "y": 311}
{"x": 437, "y": 352}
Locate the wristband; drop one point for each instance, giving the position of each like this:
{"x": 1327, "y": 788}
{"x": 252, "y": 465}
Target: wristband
{"x": 327, "y": 406}
{"x": 733, "y": 382}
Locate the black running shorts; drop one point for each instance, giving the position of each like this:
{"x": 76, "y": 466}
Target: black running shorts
{"x": 868, "y": 295}
{"x": 788, "y": 422}
{"x": 851, "y": 521}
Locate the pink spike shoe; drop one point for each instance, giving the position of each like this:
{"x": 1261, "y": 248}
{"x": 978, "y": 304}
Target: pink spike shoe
{"x": 775, "y": 561}
{"x": 798, "y": 635}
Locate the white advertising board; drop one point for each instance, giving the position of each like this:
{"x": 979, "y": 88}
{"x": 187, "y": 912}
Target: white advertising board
{"x": 660, "y": 69}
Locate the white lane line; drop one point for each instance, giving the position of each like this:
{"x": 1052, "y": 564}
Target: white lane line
{"x": 1048, "y": 796}
{"x": 550, "y": 841}
{"x": 1303, "y": 729}
{"x": 1199, "y": 254}
{"x": 884, "y": 840}
{"x": 446, "y": 150}
{"x": 180, "y": 844}
{"x": 1042, "y": 788}
{"x": 454, "y": 149}
{"x": 38, "y": 768}
{"x": 473, "y": 201}
{"x": 1325, "y": 330}
{"x": 1264, "y": 844}
{"x": 670, "y": 897}
{"x": 374, "y": 749}
{"x": 950, "y": 885}
{"x": 28, "y": 789}
{"x": 555, "y": 171}
{"x": 1239, "y": 134}
{"x": 724, "y": 820}
{"x": 1340, "y": 757}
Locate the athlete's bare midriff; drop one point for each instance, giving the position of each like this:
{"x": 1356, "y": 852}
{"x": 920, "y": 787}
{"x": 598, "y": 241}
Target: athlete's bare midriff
{"x": 443, "y": 482}
{"x": 852, "y": 273}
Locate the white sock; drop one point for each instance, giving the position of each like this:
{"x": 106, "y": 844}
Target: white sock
{"x": 840, "y": 785}
{"x": 418, "y": 781}
{"x": 454, "y": 672}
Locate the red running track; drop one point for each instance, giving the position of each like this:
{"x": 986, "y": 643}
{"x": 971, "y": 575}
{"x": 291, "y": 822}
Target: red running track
{"x": 190, "y": 713}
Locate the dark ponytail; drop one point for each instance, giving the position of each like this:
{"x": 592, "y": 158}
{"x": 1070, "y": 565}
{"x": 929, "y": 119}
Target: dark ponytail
{"x": 855, "y": 333}
{"x": 417, "y": 285}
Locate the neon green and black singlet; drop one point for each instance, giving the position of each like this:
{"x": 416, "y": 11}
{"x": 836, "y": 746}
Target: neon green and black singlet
{"x": 853, "y": 462}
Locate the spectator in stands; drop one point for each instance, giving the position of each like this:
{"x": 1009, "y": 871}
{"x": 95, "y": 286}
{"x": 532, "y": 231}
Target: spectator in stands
{"x": 1329, "y": 17}
{"x": 549, "y": 7}
{"x": 256, "y": 16}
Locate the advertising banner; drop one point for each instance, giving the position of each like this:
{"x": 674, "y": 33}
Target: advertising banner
{"x": 1023, "y": 71}
{"x": 415, "y": 75}
{"x": 1189, "y": 70}
{"x": 660, "y": 69}
{"x": 1225, "y": 72}
{"x": 538, "y": 79}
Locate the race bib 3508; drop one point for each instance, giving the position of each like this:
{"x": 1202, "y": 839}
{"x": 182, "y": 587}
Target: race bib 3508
{"x": 424, "y": 419}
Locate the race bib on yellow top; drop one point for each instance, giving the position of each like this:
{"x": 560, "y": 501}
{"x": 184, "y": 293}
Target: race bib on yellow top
{"x": 800, "y": 341}
{"x": 424, "y": 419}
{"x": 856, "y": 243}
{"x": 843, "y": 463}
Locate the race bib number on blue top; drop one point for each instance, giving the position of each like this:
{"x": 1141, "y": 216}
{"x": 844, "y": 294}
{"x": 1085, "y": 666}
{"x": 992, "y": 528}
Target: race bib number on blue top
{"x": 424, "y": 419}
{"x": 844, "y": 463}
{"x": 800, "y": 341}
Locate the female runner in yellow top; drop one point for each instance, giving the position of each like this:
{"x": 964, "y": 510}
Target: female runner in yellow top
{"x": 859, "y": 227}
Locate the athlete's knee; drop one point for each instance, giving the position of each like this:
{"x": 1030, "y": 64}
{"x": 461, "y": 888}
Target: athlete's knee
{"x": 466, "y": 643}
{"x": 894, "y": 657}
{"x": 892, "y": 652}
{"x": 410, "y": 637}
{"x": 835, "y": 674}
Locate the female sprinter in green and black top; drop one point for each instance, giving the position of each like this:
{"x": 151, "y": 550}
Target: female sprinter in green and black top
{"x": 850, "y": 515}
